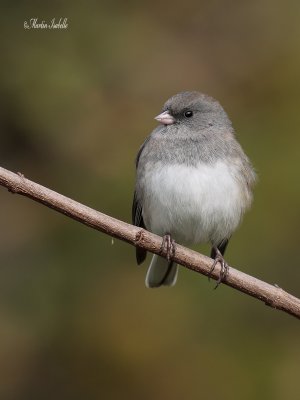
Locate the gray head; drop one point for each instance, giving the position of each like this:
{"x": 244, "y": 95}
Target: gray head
{"x": 193, "y": 110}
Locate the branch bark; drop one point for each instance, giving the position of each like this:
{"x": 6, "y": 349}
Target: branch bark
{"x": 271, "y": 295}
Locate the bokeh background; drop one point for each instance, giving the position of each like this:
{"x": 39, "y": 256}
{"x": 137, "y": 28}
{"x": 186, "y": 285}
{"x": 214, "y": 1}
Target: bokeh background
{"x": 76, "y": 321}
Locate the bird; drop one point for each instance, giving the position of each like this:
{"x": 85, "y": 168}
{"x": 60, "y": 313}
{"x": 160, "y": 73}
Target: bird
{"x": 193, "y": 183}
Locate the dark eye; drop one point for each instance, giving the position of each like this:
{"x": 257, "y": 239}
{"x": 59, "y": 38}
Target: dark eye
{"x": 188, "y": 114}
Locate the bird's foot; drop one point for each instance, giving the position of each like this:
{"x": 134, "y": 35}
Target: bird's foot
{"x": 224, "y": 268}
{"x": 168, "y": 246}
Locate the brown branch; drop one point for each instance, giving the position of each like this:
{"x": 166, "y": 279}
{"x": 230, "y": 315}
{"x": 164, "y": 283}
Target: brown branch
{"x": 271, "y": 295}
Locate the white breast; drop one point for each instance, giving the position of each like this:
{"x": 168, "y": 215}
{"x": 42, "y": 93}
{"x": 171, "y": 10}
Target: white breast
{"x": 193, "y": 204}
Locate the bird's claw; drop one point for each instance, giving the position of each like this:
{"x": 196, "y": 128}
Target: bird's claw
{"x": 224, "y": 268}
{"x": 168, "y": 246}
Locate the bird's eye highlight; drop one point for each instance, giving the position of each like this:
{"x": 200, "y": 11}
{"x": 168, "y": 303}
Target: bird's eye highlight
{"x": 188, "y": 114}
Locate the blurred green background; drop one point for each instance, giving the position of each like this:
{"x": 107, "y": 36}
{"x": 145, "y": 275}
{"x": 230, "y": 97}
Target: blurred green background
{"x": 76, "y": 321}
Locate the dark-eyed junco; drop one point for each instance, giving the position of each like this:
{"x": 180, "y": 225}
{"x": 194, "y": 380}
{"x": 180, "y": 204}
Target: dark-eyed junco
{"x": 193, "y": 184}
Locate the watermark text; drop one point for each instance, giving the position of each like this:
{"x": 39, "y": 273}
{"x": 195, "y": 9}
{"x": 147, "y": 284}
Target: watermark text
{"x": 54, "y": 23}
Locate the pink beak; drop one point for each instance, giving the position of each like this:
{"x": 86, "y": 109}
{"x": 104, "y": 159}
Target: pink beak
{"x": 165, "y": 118}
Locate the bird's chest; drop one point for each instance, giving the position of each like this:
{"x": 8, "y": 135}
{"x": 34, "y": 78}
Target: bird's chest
{"x": 191, "y": 202}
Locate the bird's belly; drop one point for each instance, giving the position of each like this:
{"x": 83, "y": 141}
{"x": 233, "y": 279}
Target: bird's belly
{"x": 193, "y": 204}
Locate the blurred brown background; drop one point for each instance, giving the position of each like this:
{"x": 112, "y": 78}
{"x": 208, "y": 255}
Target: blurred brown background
{"x": 76, "y": 321}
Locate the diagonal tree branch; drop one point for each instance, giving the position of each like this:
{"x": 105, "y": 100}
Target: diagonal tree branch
{"x": 271, "y": 295}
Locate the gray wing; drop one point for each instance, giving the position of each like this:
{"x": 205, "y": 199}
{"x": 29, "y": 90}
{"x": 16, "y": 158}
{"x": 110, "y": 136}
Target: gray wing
{"x": 137, "y": 211}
